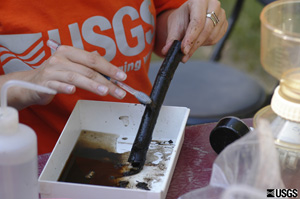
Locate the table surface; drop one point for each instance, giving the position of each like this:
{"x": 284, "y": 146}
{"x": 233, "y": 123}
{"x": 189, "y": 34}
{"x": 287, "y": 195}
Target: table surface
{"x": 194, "y": 165}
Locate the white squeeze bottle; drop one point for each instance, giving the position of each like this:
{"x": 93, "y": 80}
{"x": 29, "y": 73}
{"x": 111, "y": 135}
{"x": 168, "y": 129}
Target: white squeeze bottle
{"x": 18, "y": 150}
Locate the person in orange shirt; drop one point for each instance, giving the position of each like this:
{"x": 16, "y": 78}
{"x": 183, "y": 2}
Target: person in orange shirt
{"x": 112, "y": 38}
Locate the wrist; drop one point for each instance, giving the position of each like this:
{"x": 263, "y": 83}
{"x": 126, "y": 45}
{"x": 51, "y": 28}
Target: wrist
{"x": 18, "y": 97}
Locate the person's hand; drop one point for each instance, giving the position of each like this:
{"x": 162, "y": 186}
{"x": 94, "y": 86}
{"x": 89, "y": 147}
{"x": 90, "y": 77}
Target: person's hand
{"x": 70, "y": 67}
{"x": 190, "y": 24}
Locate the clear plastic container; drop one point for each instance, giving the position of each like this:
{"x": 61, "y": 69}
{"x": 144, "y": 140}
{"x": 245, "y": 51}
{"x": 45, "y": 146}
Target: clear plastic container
{"x": 280, "y": 37}
{"x": 284, "y": 117}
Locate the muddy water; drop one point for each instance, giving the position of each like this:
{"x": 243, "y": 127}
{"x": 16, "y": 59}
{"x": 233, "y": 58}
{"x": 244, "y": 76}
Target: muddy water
{"x": 94, "y": 161}
{"x": 94, "y": 166}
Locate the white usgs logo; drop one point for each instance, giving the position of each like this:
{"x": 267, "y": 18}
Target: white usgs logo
{"x": 119, "y": 31}
{"x": 143, "y": 33}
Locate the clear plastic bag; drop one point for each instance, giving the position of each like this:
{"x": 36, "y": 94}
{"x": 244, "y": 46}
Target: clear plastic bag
{"x": 245, "y": 169}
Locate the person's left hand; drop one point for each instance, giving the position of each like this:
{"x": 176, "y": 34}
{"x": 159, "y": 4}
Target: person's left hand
{"x": 190, "y": 24}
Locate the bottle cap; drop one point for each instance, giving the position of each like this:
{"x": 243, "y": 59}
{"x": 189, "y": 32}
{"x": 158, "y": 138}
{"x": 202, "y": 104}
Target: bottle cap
{"x": 227, "y": 130}
{"x": 286, "y": 98}
{"x": 9, "y": 120}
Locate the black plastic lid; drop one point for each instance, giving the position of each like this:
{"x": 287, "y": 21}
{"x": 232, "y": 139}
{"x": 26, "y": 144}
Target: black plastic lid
{"x": 227, "y": 130}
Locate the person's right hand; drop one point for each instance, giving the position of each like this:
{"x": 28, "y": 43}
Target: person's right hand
{"x": 70, "y": 67}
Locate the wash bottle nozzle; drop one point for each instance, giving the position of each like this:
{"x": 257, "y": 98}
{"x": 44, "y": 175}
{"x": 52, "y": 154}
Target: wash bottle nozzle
{"x": 22, "y": 84}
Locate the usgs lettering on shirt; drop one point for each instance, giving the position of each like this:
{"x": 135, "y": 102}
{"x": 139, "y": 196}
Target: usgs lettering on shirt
{"x": 14, "y": 55}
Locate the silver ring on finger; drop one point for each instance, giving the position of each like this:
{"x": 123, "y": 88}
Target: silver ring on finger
{"x": 213, "y": 17}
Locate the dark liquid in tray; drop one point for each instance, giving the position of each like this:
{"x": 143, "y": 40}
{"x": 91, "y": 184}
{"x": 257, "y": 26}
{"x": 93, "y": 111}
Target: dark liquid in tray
{"x": 94, "y": 166}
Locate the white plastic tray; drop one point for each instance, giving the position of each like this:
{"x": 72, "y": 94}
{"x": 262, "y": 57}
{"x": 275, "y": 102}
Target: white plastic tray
{"x": 121, "y": 120}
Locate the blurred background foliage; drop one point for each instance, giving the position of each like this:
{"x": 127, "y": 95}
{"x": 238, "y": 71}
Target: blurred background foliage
{"x": 242, "y": 49}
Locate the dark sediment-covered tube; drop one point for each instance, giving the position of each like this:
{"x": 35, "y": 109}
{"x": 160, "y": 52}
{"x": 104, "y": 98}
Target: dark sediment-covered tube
{"x": 163, "y": 79}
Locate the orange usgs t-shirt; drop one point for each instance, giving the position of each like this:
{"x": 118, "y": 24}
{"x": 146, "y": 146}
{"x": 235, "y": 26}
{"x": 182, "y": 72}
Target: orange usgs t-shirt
{"x": 121, "y": 31}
